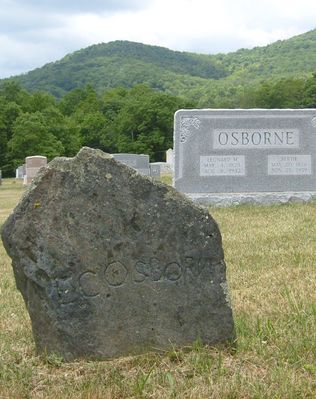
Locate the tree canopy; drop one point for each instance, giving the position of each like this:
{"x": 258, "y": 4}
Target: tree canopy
{"x": 135, "y": 120}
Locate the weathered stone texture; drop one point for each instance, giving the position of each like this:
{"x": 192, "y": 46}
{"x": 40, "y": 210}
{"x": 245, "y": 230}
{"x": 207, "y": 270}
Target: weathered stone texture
{"x": 110, "y": 263}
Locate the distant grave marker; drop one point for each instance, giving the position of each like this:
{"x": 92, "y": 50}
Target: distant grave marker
{"x": 163, "y": 166}
{"x": 155, "y": 170}
{"x": 20, "y": 172}
{"x": 170, "y": 157}
{"x": 32, "y": 165}
{"x": 246, "y": 155}
{"x": 139, "y": 162}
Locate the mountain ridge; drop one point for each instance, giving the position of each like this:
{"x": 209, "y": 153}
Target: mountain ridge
{"x": 125, "y": 63}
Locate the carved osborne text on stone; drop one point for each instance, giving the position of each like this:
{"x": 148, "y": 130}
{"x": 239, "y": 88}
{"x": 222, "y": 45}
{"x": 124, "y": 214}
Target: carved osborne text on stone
{"x": 255, "y": 138}
{"x": 116, "y": 274}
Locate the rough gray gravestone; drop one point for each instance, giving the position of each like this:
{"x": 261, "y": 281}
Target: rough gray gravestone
{"x": 246, "y": 155}
{"x": 110, "y": 263}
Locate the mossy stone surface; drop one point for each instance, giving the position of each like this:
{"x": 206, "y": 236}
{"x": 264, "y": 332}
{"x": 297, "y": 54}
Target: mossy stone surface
{"x": 110, "y": 263}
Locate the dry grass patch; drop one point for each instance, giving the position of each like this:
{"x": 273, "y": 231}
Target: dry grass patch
{"x": 271, "y": 257}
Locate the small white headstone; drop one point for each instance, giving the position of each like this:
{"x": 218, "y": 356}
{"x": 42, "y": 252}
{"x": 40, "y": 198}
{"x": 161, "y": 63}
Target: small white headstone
{"x": 169, "y": 157}
{"x": 20, "y": 172}
{"x": 155, "y": 170}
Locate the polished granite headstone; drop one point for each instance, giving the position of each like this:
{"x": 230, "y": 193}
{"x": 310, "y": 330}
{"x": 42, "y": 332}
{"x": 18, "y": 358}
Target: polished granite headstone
{"x": 244, "y": 155}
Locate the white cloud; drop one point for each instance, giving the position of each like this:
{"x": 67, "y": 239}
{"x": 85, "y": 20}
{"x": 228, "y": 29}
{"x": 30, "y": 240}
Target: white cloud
{"x": 51, "y": 29}
{"x": 199, "y": 25}
{"x": 18, "y": 57}
{"x": 76, "y": 5}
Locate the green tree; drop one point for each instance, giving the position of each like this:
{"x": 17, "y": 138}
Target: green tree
{"x": 145, "y": 122}
{"x": 284, "y": 93}
{"x": 3, "y": 137}
{"x": 84, "y": 99}
{"x": 31, "y": 136}
{"x": 12, "y": 91}
{"x": 59, "y": 126}
{"x": 9, "y": 111}
{"x": 39, "y": 101}
{"x": 92, "y": 128}
{"x": 309, "y": 98}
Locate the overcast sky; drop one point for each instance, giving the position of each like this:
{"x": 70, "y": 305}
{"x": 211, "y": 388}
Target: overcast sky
{"x": 35, "y": 32}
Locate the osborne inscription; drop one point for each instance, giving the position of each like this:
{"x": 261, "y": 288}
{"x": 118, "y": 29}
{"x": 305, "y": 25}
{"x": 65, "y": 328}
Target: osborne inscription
{"x": 255, "y": 138}
{"x": 254, "y": 153}
{"x": 116, "y": 274}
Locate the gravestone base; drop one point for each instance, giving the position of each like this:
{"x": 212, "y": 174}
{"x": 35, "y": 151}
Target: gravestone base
{"x": 266, "y": 198}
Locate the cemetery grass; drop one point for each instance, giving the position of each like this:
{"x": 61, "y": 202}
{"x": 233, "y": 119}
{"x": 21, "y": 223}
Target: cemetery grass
{"x": 271, "y": 256}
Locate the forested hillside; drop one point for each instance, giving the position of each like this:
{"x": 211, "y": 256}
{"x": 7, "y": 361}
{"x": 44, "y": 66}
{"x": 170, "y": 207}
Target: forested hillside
{"x": 125, "y": 64}
{"x": 291, "y": 57}
{"x": 202, "y": 78}
{"x": 121, "y": 96}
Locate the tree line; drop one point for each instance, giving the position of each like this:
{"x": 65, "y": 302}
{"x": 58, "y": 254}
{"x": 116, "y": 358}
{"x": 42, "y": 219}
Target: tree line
{"x": 137, "y": 119}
